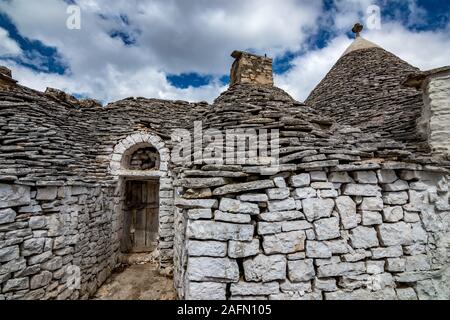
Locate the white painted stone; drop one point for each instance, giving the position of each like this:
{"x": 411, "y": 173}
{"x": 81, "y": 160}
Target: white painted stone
{"x": 363, "y": 237}
{"x": 211, "y": 230}
{"x": 207, "y": 248}
{"x": 301, "y": 270}
{"x": 286, "y": 242}
{"x": 315, "y": 208}
{"x": 236, "y": 206}
{"x": 327, "y": 228}
{"x": 265, "y": 268}
{"x": 212, "y": 269}
{"x": 241, "y": 249}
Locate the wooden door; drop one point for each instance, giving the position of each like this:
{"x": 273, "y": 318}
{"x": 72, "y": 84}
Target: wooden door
{"x": 143, "y": 208}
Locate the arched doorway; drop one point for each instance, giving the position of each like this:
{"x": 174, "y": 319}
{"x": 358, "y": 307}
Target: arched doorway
{"x": 145, "y": 196}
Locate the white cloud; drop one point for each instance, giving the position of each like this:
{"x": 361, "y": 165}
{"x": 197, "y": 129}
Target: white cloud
{"x": 175, "y": 36}
{"x": 8, "y": 47}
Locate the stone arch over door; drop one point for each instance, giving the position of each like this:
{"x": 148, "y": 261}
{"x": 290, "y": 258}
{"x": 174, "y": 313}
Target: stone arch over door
{"x": 121, "y": 172}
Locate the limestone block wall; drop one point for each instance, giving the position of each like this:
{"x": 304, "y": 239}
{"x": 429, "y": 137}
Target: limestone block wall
{"x": 435, "y": 121}
{"x": 365, "y": 234}
{"x": 57, "y": 241}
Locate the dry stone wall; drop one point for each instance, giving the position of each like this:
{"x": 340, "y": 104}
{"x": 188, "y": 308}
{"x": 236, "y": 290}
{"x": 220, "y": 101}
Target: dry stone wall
{"x": 58, "y": 241}
{"x": 327, "y": 234}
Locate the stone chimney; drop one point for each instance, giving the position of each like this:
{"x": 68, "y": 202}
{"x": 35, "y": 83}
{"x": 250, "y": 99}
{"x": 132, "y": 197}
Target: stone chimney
{"x": 251, "y": 69}
{"x": 6, "y": 80}
{"x": 434, "y": 123}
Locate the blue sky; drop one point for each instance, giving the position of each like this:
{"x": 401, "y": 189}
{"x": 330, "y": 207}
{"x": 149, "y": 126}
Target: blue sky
{"x": 176, "y": 49}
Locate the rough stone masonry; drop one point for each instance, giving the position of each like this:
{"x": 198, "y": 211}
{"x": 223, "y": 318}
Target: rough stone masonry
{"x": 356, "y": 208}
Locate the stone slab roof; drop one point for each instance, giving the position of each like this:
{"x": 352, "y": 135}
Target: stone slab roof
{"x": 48, "y": 137}
{"x": 365, "y": 89}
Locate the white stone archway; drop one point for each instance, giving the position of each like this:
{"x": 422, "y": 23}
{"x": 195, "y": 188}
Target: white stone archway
{"x": 120, "y": 172}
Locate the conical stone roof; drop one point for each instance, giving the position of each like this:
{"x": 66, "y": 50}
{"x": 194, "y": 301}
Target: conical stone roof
{"x": 365, "y": 89}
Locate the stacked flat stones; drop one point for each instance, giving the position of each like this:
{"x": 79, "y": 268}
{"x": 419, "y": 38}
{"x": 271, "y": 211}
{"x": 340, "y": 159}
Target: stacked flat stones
{"x": 365, "y": 89}
{"x": 235, "y": 227}
{"x": 340, "y": 218}
{"x": 58, "y": 199}
{"x": 369, "y": 234}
